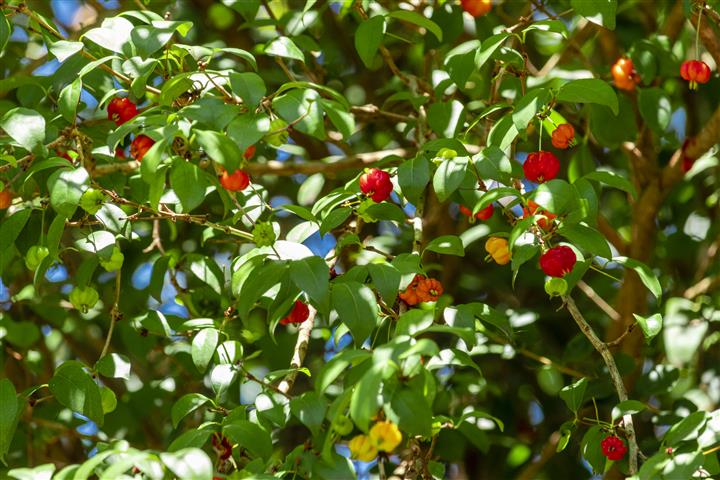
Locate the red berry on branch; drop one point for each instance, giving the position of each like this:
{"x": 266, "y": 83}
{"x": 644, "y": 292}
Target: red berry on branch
{"x": 298, "y": 314}
{"x": 376, "y": 184}
{"x": 120, "y": 110}
{"x": 477, "y": 8}
{"x": 558, "y": 261}
{"x": 695, "y": 71}
{"x": 541, "y": 166}
{"x": 483, "y": 214}
{"x": 563, "y": 136}
{"x": 613, "y": 448}
{"x": 140, "y": 146}
{"x": 249, "y": 152}
{"x": 624, "y": 74}
{"x": 236, "y": 181}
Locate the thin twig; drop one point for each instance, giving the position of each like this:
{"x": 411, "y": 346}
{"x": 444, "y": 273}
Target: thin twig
{"x": 115, "y": 314}
{"x": 599, "y": 301}
{"x": 301, "y": 346}
{"x": 615, "y": 376}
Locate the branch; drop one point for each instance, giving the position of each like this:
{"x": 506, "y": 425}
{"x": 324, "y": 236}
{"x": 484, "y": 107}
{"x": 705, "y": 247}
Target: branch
{"x": 617, "y": 380}
{"x": 701, "y": 287}
{"x": 599, "y": 301}
{"x": 530, "y": 472}
{"x": 300, "y": 350}
{"x": 30, "y": 157}
{"x": 273, "y": 167}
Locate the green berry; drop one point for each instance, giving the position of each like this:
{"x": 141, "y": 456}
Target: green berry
{"x": 263, "y": 234}
{"x": 342, "y": 425}
{"x": 550, "y": 379}
{"x": 84, "y": 298}
{"x": 114, "y": 262}
{"x": 35, "y": 255}
{"x": 556, "y": 287}
{"x": 447, "y": 153}
{"x": 92, "y": 200}
{"x": 278, "y": 133}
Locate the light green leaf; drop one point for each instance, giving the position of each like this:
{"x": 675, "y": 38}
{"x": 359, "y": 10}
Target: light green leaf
{"x": 627, "y": 407}
{"x": 249, "y": 86}
{"x": 25, "y": 126}
{"x": 203, "y": 347}
{"x": 9, "y": 415}
{"x": 114, "y": 365}
{"x": 646, "y": 275}
{"x": 312, "y": 275}
{"x": 650, "y": 326}
{"x": 66, "y": 186}
{"x": 189, "y": 464}
{"x": 186, "y": 405}
{"x": 285, "y": 48}
{"x": 447, "y": 245}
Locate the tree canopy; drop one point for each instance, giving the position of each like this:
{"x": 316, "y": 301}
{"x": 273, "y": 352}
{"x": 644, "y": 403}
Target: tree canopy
{"x": 417, "y": 239}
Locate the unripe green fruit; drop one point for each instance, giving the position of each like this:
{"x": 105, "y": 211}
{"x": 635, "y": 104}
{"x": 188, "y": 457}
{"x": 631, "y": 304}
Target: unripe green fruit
{"x": 342, "y": 425}
{"x": 556, "y": 287}
{"x": 35, "y": 256}
{"x": 278, "y": 134}
{"x": 84, "y": 298}
{"x": 550, "y": 379}
{"x": 263, "y": 234}
{"x": 447, "y": 153}
{"x": 115, "y": 262}
{"x": 92, "y": 200}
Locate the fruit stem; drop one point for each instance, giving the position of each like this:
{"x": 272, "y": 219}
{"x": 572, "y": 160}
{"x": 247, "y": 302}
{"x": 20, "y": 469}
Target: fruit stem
{"x": 540, "y": 136}
{"x": 697, "y": 34}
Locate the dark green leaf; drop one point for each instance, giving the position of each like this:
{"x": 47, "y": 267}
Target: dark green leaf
{"x": 369, "y": 37}
{"x": 358, "y": 308}
{"x": 589, "y": 90}
{"x": 74, "y": 388}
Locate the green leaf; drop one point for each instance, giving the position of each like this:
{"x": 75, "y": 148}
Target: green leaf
{"x": 42, "y": 472}
{"x": 340, "y": 118}
{"x": 203, "y": 347}
{"x": 627, "y": 407}
{"x": 68, "y": 100}
{"x": 64, "y": 49}
{"x": 337, "y": 365}
{"x": 5, "y": 31}
{"x": 413, "y": 177}
{"x": 650, "y": 326}
{"x": 75, "y": 389}
{"x": 409, "y": 409}
{"x": 186, "y": 405}
{"x": 600, "y": 12}
{"x": 219, "y": 148}
{"x": 555, "y": 196}
{"x": 247, "y": 129}
{"x": 646, "y": 275}
{"x": 207, "y": 271}
{"x": 114, "y": 34}
{"x": 114, "y": 365}
{"x": 555, "y": 26}
{"x": 446, "y": 118}
{"x": 312, "y": 275}
{"x": 448, "y": 177}
{"x": 191, "y": 438}
{"x": 655, "y": 108}
{"x": 447, "y": 245}
{"x": 386, "y": 279}
{"x": 586, "y": 238}
{"x": 66, "y": 186}
{"x": 264, "y": 277}
{"x": 9, "y": 414}
{"x": 574, "y": 394}
{"x": 250, "y": 436}
{"x": 285, "y": 48}
{"x": 11, "y": 228}
{"x": 189, "y": 183}
{"x": 25, "y": 126}
{"x": 148, "y": 39}
{"x": 301, "y": 107}
{"x": 189, "y": 463}
{"x": 528, "y": 106}
{"x": 357, "y": 307}
{"x": 419, "y": 20}
{"x": 488, "y": 48}
{"x": 614, "y": 180}
{"x": 364, "y": 402}
{"x": 249, "y": 86}
{"x": 369, "y": 37}
{"x": 589, "y": 90}
{"x": 591, "y": 450}
{"x": 310, "y": 409}
{"x": 687, "y": 429}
